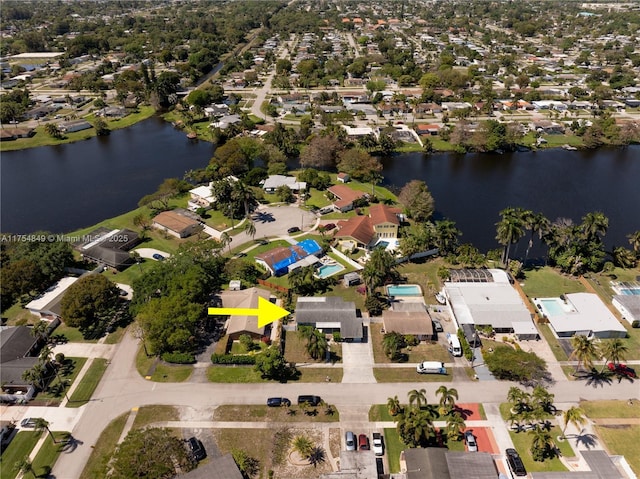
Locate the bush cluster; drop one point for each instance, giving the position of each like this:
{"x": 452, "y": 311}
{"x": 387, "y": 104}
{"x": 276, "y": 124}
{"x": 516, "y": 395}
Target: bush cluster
{"x": 179, "y": 358}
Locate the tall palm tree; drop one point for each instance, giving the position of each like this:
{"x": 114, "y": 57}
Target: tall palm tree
{"x": 244, "y": 194}
{"x": 519, "y": 399}
{"x": 446, "y": 235}
{"x": 613, "y": 350}
{"x": 317, "y": 345}
{"x": 225, "y": 239}
{"x": 455, "y": 426}
{"x": 381, "y": 265}
{"x": 584, "y": 350}
{"x": 419, "y": 397}
{"x": 542, "y": 444}
{"x": 39, "y": 330}
{"x": 250, "y": 228}
{"x": 594, "y": 224}
{"x": 543, "y": 399}
{"x": 510, "y": 229}
{"x": 574, "y": 415}
{"x": 537, "y": 224}
{"x": 41, "y": 424}
{"x": 393, "y": 404}
{"x": 448, "y": 397}
{"x": 634, "y": 241}
{"x": 392, "y": 343}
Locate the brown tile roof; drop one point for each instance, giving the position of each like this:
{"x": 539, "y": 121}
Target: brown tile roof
{"x": 407, "y": 322}
{"x": 246, "y": 298}
{"x": 174, "y": 221}
{"x": 345, "y": 195}
{"x": 358, "y": 227}
{"x": 383, "y": 214}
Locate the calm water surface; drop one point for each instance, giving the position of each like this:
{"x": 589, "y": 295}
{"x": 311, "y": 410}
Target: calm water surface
{"x": 76, "y": 185}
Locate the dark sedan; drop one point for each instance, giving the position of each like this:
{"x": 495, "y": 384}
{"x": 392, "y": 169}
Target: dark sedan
{"x": 278, "y": 402}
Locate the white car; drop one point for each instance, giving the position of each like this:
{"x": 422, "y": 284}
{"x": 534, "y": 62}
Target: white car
{"x": 378, "y": 448}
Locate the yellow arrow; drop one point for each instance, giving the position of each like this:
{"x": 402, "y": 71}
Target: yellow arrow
{"x": 267, "y": 312}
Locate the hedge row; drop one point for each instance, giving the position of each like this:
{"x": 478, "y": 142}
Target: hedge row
{"x": 179, "y": 358}
{"x": 232, "y": 359}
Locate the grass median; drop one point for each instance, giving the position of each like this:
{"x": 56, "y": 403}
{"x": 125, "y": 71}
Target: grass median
{"x": 88, "y": 383}
{"x": 275, "y": 414}
{"x": 21, "y": 446}
{"x": 247, "y": 374}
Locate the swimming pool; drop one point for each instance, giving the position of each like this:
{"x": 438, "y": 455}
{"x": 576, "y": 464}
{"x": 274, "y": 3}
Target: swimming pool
{"x": 630, "y": 291}
{"x": 404, "y": 290}
{"x": 552, "y": 307}
{"x": 327, "y": 270}
{"x": 627, "y": 288}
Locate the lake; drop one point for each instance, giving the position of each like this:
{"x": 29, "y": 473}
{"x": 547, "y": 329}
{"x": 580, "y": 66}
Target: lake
{"x": 67, "y": 187}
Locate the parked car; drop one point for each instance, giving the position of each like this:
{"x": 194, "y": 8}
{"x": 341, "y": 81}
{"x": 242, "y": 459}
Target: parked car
{"x": 196, "y": 448}
{"x": 437, "y": 325}
{"x": 278, "y": 402}
{"x": 28, "y": 422}
{"x": 515, "y": 463}
{"x": 158, "y": 257}
{"x": 293, "y": 229}
{"x": 378, "y": 447}
{"x": 350, "y": 441}
{"x": 470, "y": 439}
{"x": 363, "y": 442}
{"x": 622, "y": 370}
{"x": 312, "y": 400}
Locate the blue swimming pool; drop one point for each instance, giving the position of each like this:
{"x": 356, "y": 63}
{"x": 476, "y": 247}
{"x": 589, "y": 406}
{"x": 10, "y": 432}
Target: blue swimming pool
{"x": 327, "y": 270}
{"x": 404, "y": 290}
{"x": 552, "y": 307}
{"x": 630, "y": 291}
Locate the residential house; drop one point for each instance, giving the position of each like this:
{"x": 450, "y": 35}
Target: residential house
{"x": 549, "y": 127}
{"x": 344, "y": 177}
{"x": 353, "y": 133}
{"x": 441, "y": 463}
{"x": 283, "y": 260}
{"x": 628, "y": 305}
{"x": 273, "y": 182}
{"x": 47, "y": 305}
{"x": 409, "y": 318}
{"x": 226, "y": 121}
{"x": 384, "y": 220}
{"x": 429, "y": 129}
{"x": 330, "y": 314}
{"x": 365, "y": 231}
{"x": 345, "y": 197}
{"x": 237, "y": 325}
{"x": 175, "y": 224}
{"x": 109, "y": 248}
{"x": 201, "y": 197}
{"x": 75, "y": 125}
{"x": 223, "y": 467}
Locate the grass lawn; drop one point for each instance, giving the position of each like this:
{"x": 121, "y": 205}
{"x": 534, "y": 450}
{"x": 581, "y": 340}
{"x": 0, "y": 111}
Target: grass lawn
{"x": 296, "y": 351}
{"x": 73, "y": 335}
{"x": 612, "y": 408}
{"x": 547, "y": 282}
{"x": 272, "y": 414}
{"x": 522, "y": 443}
{"x": 379, "y": 413}
{"x": 16, "y": 315}
{"x": 554, "y": 141}
{"x": 74, "y": 370}
{"x": 97, "y": 465}
{"x": 408, "y": 375}
{"x": 21, "y": 446}
{"x": 234, "y": 374}
{"x": 558, "y": 352}
{"x": 622, "y": 440}
{"x": 259, "y": 446}
{"x": 319, "y": 375}
{"x": 116, "y": 336}
{"x": 163, "y": 372}
{"x": 440, "y": 145}
{"x": 89, "y": 382}
{"x": 415, "y": 354}
{"x": 393, "y": 448}
{"x": 151, "y": 414}
{"x": 47, "y": 455}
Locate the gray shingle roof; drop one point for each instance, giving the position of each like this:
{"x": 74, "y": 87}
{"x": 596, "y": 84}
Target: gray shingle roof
{"x": 330, "y": 309}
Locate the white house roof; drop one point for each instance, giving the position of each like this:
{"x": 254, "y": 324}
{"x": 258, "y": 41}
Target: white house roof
{"x": 274, "y": 181}
{"x": 496, "y": 303}
{"x": 589, "y": 314}
{"x": 50, "y": 295}
{"x": 360, "y": 131}
{"x": 204, "y": 192}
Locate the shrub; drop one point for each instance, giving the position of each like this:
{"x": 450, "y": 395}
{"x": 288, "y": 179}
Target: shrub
{"x": 179, "y": 358}
{"x": 337, "y": 337}
{"x": 411, "y": 340}
{"x": 636, "y": 323}
{"x": 232, "y": 359}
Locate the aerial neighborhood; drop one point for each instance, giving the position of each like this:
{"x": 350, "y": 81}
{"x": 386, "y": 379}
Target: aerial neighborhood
{"x": 282, "y": 311}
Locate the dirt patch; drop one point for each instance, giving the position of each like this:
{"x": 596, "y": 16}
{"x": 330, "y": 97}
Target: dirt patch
{"x": 335, "y": 442}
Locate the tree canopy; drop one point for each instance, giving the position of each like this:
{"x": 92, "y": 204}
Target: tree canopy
{"x": 417, "y": 200}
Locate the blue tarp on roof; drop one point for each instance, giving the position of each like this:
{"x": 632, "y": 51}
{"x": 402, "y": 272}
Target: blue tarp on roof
{"x": 301, "y": 250}
{"x": 310, "y": 246}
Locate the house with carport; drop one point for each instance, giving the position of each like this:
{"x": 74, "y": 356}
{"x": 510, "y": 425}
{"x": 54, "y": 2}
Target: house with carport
{"x": 330, "y": 314}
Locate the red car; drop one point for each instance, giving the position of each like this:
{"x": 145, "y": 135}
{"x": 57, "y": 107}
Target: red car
{"x": 622, "y": 370}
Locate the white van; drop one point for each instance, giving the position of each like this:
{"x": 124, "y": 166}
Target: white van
{"x": 431, "y": 367}
{"x": 454, "y": 344}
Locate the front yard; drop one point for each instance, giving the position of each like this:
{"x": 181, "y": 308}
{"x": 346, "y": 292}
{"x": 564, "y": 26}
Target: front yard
{"x": 425, "y": 351}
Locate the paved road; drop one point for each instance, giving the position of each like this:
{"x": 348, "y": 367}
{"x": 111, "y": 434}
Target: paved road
{"x": 122, "y": 388}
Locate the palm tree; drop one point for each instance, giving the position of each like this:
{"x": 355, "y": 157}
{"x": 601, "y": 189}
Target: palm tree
{"x": 613, "y": 350}
{"x": 317, "y": 345}
{"x": 574, "y": 415}
{"x": 448, "y": 398}
{"x": 634, "y": 241}
{"x": 392, "y": 343}
{"x": 250, "y": 228}
{"x": 447, "y": 236}
{"x": 543, "y": 399}
{"x": 455, "y": 426}
{"x": 380, "y": 266}
{"x": 317, "y": 456}
{"x": 302, "y": 445}
{"x": 542, "y": 444}
{"x": 519, "y": 399}
{"x": 584, "y": 350}
{"x": 393, "y": 404}
{"x": 594, "y": 224}
{"x": 41, "y": 424}
{"x": 39, "y": 330}
{"x": 510, "y": 229}
{"x": 53, "y": 131}
{"x": 243, "y": 193}
{"x": 225, "y": 239}
{"x": 25, "y": 466}
{"x": 537, "y": 223}
{"x": 419, "y": 397}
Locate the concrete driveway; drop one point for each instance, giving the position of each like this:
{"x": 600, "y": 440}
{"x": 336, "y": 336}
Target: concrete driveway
{"x": 149, "y": 252}
{"x": 357, "y": 363}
